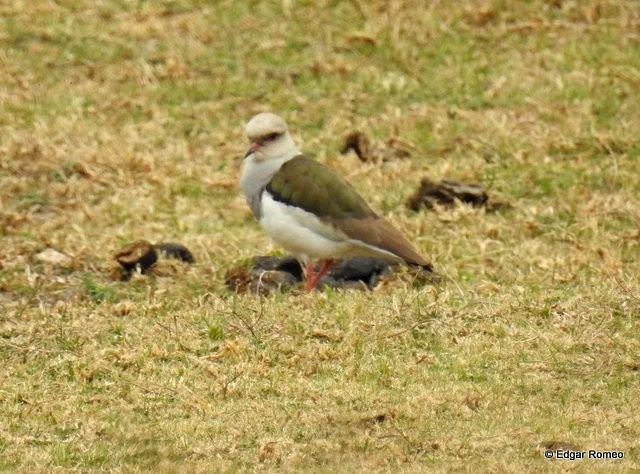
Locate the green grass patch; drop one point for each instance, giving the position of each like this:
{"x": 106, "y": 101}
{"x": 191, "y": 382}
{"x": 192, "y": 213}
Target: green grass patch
{"x": 124, "y": 120}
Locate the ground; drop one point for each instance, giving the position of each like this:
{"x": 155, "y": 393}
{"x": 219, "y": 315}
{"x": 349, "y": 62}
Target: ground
{"x": 122, "y": 120}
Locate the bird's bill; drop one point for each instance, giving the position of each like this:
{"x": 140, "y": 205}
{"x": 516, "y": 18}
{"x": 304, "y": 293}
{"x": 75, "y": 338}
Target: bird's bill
{"x": 253, "y": 148}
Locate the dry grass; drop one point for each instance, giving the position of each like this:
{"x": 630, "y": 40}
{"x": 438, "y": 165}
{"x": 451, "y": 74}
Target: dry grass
{"x": 123, "y": 120}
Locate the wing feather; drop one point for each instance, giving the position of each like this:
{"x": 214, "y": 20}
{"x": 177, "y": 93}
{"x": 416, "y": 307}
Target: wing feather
{"x": 309, "y": 185}
{"x": 318, "y": 189}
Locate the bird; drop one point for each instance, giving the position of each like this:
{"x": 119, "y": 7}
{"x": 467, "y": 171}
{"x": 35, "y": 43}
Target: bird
{"x": 309, "y": 209}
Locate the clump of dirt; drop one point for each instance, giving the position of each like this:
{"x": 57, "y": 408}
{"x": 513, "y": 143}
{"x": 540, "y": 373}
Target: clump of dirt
{"x": 142, "y": 256}
{"x": 368, "y": 151}
{"x": 268, "y": 274}
{"x": 447, "y": 193}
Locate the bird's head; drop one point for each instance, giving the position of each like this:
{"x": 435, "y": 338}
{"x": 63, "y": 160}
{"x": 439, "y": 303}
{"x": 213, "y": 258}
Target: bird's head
{"x": 269, "y": 137}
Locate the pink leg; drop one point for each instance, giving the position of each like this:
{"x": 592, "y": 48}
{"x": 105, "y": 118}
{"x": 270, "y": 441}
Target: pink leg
{"x": 309, "y": 276}
{"x": 313, "y": 280}
{"x": 326, "y": 266}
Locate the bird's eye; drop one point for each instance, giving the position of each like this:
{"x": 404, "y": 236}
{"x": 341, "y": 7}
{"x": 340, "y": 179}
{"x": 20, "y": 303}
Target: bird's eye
{"x": 271, "y": 137}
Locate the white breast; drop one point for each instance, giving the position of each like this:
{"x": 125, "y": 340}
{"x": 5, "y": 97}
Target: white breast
{"x": 306, "y": 236}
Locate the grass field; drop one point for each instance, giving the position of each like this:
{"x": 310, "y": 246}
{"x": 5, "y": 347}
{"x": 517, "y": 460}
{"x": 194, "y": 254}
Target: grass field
{"x": 122, "y": 120}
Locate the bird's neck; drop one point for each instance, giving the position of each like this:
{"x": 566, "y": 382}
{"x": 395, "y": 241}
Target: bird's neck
{"x": 257, "y": 173}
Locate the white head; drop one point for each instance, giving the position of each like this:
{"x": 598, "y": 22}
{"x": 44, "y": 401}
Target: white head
{"x": 271, "y": 147}
{"x": 269, "y": 138}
